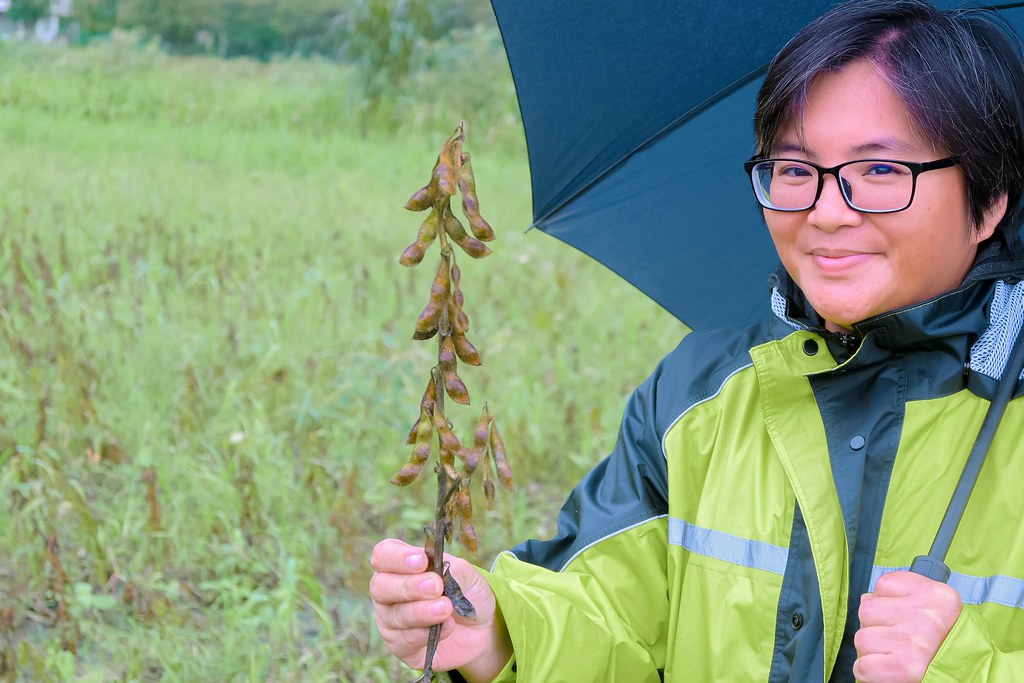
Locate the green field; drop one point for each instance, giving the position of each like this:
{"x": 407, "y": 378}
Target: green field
{"x": 206, "y": 371}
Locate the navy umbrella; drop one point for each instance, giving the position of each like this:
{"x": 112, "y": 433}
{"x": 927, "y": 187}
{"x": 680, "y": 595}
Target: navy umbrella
{"x": 638, "y": 118}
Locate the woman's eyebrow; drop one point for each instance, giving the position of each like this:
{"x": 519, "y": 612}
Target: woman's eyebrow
{"x": 886, "y": 144}
{"x": 790, "y": 149}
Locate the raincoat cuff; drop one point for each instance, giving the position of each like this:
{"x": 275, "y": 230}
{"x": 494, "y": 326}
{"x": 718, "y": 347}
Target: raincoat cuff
{"x": 508, "y": 674}
{"x": 504, "y": 595}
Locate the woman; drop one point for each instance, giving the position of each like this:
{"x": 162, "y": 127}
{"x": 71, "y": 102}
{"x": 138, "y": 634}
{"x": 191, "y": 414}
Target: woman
{"x": 772, "y": 483}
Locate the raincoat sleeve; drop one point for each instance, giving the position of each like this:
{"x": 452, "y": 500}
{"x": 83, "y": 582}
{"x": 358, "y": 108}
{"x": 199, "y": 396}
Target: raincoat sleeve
{"x": 969, "y": 654}
{"x": 592, "y": 604}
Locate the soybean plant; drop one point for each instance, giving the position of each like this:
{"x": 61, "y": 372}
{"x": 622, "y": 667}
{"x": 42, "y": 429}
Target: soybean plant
{"x": 444, "y": 317}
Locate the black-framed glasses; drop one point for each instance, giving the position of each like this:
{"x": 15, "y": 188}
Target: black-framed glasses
{"x": 867, "y": 185}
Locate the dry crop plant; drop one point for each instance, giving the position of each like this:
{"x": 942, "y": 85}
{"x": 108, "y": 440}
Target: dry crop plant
{"x": 445, "y": 318}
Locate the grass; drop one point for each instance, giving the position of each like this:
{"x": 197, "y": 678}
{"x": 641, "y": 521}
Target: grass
{"x": 206, "y": 372}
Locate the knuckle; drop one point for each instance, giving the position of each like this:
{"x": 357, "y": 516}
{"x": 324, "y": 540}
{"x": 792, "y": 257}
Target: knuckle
{"x": 377, "y": 587}
{"x": 860, "y": 642}
{"x": 950, "y": 594}
{"x": 379, "y": 553}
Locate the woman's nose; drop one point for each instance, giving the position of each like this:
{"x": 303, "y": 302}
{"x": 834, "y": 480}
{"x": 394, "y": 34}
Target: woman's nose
{"x": 831, "y": 211}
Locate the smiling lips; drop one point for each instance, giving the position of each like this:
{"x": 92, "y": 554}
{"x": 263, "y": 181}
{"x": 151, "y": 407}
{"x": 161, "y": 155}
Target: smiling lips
{"x": 837, "y": 262}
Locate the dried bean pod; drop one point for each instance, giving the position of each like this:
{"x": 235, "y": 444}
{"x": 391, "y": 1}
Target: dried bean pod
{"x": 482, "y": 433}
{"x": 464, "y": 514}
{"x": 489, "y": 492}
{"x": 451, "y": 155}
{"x": 411, "y": 439}
{"x": 471, "y": 460}
{"x": 428, "y": 228}
{"x": 446, "y": 355}
{"x": 456, "y": 316}
{"x": 420, "y": 454}
{"x": 468, "y": 538}
{"x": 430, "y": 316}
{"x": 460, "y": 603}
{"x": 424, "y": 197}
{"x": 428, "y": 546}
{"x": 428, "y": 232}
{"x": 453, "y": 314}
{"x": 423, "y": 336}
{"x": 469, "y": 244}
{"x": 413, "y": 254}
{"x": 449, "y": 441}
{"x": 409, "y": 471}
{"x": 456, "y": 388}
{"x": 470, "y": 204}
{"x": 426, "y": 407}
{"x": 429, "y": 396}
{"x": 417, "y": 426}
{"x": 448, "y": 462}
{"x": 500, "y": 461}
{"x": 446, "y": 363}
{"x": 464, "y": 350}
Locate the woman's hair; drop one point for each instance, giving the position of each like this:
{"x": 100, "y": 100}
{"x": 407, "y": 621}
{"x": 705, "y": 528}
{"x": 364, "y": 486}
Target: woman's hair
{"x": 960, "y": 74}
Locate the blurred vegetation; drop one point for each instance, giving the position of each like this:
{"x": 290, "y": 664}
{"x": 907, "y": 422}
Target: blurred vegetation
{"x": 388, "y": 45}
{"x": 205, "y": 362}
{"x": 337, "y": 29}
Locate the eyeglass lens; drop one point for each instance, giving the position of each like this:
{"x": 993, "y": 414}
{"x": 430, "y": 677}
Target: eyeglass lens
{"x": 867, "y": 185}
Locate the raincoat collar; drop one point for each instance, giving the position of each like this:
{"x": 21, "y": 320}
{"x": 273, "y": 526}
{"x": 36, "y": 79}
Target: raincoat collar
{"x": 959, "y": 313}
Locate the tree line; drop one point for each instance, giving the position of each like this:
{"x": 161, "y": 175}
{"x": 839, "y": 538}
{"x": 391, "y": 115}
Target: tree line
{"x": 375, "y": 31}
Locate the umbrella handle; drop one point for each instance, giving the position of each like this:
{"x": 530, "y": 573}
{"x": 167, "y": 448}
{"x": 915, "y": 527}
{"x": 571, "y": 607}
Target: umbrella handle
{"x": 932, "y": 565}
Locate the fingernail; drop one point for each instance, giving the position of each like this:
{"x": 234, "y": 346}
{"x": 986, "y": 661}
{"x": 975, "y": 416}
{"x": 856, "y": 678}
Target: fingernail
{"x": 428, "y": 587}
{"x": 413, "y": 561}
{"x": 438, "y": 608}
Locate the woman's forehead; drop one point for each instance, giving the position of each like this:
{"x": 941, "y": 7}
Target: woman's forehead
{"x": 853, "y": 110}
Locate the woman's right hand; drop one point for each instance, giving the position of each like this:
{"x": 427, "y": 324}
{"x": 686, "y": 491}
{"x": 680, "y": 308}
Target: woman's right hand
{"x": 408, "y": 600}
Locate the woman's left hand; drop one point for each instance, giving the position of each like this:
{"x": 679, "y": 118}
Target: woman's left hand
{"x": 902, "y": 625}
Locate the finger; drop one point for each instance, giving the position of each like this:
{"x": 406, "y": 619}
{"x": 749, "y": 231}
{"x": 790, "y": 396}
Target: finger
{"x": 394, "y": 556}
{"x": 873, "y": 640}
{"x": 895, "y": 584}
{"x": 389, "y": 589}
{"x": 881, "y": 611}
{"x": 874, "y": 669}
{"x": 413, "y": 615}
{"x": 410, "y": 645}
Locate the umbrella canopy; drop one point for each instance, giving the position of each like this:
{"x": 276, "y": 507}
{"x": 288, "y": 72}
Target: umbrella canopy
{"x": 638, "y": 118}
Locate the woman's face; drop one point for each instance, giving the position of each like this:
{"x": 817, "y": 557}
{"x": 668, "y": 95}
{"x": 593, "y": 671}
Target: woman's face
{"x": 854, "y": 265}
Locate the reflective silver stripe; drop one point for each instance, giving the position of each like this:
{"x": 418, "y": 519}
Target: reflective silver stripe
{"x": 664, "y": 451}
{"x": 974, "y": 590}
{"x": 726, "y": 547}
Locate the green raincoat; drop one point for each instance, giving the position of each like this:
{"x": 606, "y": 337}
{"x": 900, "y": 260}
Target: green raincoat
{"x": 763, "y": 479}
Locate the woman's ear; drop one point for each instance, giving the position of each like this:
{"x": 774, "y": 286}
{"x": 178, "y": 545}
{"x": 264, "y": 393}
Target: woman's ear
{"x": 993, "y": 214}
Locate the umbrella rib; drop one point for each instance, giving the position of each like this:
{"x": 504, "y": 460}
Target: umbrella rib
{"x": 692, "y": 113}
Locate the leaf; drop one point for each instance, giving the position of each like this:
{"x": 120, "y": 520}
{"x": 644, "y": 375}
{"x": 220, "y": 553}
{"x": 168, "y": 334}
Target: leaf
{"x": 453, "y": 591}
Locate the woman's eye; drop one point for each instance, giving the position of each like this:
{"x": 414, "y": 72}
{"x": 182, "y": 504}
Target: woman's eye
{"x": 795, "y": 171}
{"x": 883, "y": 169}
